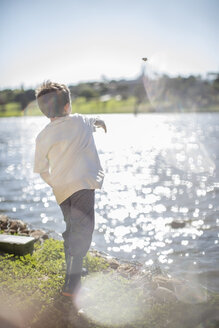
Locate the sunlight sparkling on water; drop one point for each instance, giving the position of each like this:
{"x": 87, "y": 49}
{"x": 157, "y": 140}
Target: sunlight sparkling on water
{"x": 159, "y": 169}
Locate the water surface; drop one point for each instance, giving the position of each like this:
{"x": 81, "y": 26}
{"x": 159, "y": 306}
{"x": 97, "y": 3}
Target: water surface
{"x": 159, "y": 168}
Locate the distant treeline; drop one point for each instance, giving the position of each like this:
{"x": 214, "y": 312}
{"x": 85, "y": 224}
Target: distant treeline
{"x": 163, "y": 92}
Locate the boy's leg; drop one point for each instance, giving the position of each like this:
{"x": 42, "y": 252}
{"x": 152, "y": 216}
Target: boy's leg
{"x": 78, "y": 211}
{"x": 73, "y": 274}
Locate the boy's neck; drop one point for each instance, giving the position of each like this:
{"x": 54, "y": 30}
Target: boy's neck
{"x": 55, "y": 118}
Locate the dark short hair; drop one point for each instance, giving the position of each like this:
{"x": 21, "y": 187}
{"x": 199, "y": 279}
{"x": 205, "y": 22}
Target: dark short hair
{"x": 52, "y": 97}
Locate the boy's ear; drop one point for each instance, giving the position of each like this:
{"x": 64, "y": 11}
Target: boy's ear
{"x": 67, "y": 108}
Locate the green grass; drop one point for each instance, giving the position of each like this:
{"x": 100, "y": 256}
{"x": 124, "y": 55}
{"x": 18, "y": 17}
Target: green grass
{"x": 80, "y": 105}
{"x": 10, "y": 109}
{"x": 110, "y": 106}
{"x": 30, "y": 296}
{"x": 32, "y": 283}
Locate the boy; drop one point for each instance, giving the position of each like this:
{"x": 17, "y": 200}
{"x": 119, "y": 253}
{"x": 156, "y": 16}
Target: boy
{"x": 67, "y": 160}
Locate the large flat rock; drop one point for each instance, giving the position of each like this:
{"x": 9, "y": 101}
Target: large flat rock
{"x": 18, "y": 245}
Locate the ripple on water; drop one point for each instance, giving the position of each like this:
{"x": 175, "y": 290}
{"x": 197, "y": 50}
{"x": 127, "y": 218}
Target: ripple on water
{"x": 164, "y": 170}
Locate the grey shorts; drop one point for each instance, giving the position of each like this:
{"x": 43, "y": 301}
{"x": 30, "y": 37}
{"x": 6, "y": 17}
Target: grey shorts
{"x": 78, "y": 212}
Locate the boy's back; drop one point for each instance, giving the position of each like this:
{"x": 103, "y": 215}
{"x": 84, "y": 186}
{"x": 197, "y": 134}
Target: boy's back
{"x": 66, "y": 148}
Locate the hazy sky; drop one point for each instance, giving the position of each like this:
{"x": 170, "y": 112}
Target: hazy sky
{"x": 70, "y": 41}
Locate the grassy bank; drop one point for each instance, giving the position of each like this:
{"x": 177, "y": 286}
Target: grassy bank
{"x": 118, "y": 295}
{"x": 80, "y": 105}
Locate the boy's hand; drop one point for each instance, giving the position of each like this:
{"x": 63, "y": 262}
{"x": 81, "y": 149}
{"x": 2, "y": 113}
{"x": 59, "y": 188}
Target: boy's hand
{"x": 100, "y": 124}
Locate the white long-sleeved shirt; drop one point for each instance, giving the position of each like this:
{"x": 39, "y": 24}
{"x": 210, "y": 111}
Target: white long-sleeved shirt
{"x": 66, "y": 153}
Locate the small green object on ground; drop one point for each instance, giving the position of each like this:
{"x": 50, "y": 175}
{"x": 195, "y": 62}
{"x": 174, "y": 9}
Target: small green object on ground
{"x": 18, "y": 245}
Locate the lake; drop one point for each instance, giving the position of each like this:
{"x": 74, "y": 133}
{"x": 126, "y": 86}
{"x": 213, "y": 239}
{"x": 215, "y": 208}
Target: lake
{"x": 159, "y": 168}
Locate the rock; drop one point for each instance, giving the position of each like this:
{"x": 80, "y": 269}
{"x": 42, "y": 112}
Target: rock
{"x": 4, "y": 220}
{"x": 177, "y": 224}
{"x": 169, "y": 283}
{"x": 21, "y": 225}
{"x": 16, "y": 245}
{"x": 3, "y": 217}
{"x": 16, "y": 225}
{"x": 13, "y": 226}
{"x": 153, "y": 285}
{"x": 164, "y": 295}
{"x": 113, "y": 263}
{"x": 25, "y": 231}
{"x": 45, "y": 236}
{"x": 13, "y": 231}
{"x": 37, "y": 234}
{"x": 4, "y": 226}
{"x": 128, "y": 270}
{"x": 191, "y": 293}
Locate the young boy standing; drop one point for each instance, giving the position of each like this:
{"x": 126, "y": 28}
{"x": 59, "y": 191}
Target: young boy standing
{"x": 66, "y": 158}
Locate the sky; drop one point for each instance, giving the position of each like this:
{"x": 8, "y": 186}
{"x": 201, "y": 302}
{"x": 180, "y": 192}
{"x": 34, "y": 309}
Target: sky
{"x": 72, "y": 41}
